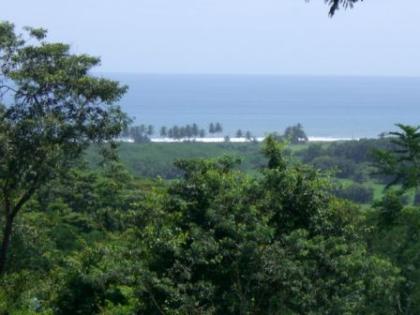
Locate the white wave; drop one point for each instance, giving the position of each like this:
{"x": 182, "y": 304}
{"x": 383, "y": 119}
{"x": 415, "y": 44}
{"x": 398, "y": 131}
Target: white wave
{"x": 233, "y": 140}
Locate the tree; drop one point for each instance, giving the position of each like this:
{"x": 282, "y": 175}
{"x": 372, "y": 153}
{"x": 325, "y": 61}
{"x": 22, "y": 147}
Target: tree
{"x": 176, "y": 132}
{"x": 402, "y": 162}
{"x": 218, "y": 128}
{"x": 195, "y": 130}
{"x": 163, "y": 131}
{"x": 182, "y": 132}
{"x": 346, "y": 3}
{"x": 248, "y": 135}
{"x": 396, "y": 227}
{"x": 395, "y": 235}
{"x": 295, "y": 134}
{"x": 355, "y": 192}
{"x": 188, "y": 131}
{"x": 150, "y": 130}
{"x": 171, "y": 133}
{"x": 279, "y": 243}
{"x": 239, "y": 133}
{"x": 275, "y": 153}
{"x": 335, "y": 4}
{"x": 212, "y": 129}
{"x": 52, "y": 110}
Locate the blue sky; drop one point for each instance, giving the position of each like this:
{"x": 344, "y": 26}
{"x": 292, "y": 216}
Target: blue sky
{"x": 377, "y": 37}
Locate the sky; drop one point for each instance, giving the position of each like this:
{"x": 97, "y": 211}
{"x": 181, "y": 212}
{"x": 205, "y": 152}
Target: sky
{"x": 376, "y": 37}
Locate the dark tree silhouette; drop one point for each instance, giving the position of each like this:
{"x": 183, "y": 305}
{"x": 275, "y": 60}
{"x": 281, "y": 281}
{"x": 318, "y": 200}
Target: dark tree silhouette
{"x": 335, "y": 4}
{"x": 195, "y": 130}
{"x": 248, "y": 135}
{"x": 163, "y": 131}
{"x": 212, "y": 129}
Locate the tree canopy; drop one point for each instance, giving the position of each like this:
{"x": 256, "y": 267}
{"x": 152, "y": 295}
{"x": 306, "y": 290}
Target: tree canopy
{"x": 51, "y": 108}
{"x": 402, "y": 162}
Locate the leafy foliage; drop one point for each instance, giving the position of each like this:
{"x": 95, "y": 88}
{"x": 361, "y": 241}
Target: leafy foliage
{"x": 403, "y": 162}
{"x": 278, "y": 244}
{"x": 216, "y": 240}
{"x": 51, "y": 109}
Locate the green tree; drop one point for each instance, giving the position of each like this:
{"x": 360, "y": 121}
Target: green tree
{"x": 92, "y": 283}
{"x": 396, "y": 227}
{"x": 402, "y": 162}
{"x": 53, "y": 109}
{"x": 395, "y": 235}
{"x": 226, "y": 243}
{"x": 295, "y": 134}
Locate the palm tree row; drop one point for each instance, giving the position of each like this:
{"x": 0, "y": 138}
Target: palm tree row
{"x": 180, "y": 132}
{"x": 143, "y": 133}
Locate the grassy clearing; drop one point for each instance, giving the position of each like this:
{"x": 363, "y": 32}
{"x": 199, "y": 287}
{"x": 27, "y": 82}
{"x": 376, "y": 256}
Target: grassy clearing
{"x": 157, "y": 159}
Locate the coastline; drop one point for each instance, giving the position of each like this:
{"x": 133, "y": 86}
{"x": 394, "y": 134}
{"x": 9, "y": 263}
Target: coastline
{"x": 233, "y": 140}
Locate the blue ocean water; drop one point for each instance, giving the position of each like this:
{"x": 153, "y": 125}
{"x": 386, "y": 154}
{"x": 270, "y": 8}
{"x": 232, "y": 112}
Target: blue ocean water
{"x": 325, "y": 106}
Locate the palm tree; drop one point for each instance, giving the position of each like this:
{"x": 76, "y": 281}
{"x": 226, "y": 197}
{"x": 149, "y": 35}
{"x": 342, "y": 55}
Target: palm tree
{"x": 248, "y": 135}
{"x": 189, "y": 131}
{"x": 177, "y": 133}
{"x": 163, "y": 131}
{"x": 402, "y": 161}
{"x": 195, "y": 130}
{"x": 212, "y": 130}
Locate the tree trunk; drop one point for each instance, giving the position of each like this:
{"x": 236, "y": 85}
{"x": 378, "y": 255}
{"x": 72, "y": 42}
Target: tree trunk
{"x": 7, "y": 233}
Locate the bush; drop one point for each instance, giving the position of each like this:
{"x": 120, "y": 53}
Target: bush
{"x": 355, "y": 192}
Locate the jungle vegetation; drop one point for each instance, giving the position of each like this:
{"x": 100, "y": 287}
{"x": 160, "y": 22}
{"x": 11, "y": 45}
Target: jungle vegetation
{"x": 83, "y": 234}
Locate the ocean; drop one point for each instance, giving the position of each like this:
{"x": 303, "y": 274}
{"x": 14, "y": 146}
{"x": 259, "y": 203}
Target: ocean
{"x": 339, "y": 107}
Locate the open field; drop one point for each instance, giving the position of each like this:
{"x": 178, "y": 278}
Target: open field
{"x": 157, "y": 159}
{"x": 349, "y": 161}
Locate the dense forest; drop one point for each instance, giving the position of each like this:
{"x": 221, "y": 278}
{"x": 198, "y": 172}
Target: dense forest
{"x": 279, "y": 228}
{"x": 213, "y": 241}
